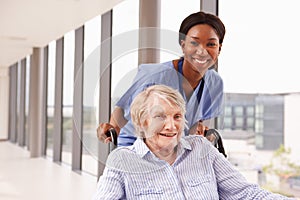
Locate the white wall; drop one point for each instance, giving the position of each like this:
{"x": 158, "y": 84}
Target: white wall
{"x": 4, "y": 97}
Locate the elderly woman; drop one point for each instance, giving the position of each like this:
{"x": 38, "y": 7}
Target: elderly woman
{"x": 161, "y": 164}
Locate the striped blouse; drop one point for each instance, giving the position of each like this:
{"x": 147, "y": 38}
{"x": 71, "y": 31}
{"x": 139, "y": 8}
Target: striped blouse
{"x": 199, "y": 172}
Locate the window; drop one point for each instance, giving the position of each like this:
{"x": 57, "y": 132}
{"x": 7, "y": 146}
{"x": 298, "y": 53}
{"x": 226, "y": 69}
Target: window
{"x": 228, "y": 123}
{"x": 125, "y": 56}
{"x": 238, "y": 111}
{"x": 228, "y": 111}
{"x": 250, "y": 111}
{"x": 27, "y": 100}
{"x": 68, "y": 88}
{"x": 171, "y": 18}
{"x": 259, "y": 111}
{"x": 250, "y": 124}
{"x": 262, "y": 77}
{"x": 92, "y": 37}
{"x": 50, "y": 97}
{"x": 239, "y": 123}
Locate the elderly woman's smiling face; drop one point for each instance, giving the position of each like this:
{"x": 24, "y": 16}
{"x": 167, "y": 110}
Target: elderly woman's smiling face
{"x": 164, "y": 124}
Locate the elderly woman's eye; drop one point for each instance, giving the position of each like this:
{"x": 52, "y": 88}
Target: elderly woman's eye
{"x": 178, "y": 117}
{"x": 160, "y": 117}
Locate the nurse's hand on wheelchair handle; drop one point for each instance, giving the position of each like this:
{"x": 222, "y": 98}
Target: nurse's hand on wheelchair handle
{"x": 103, "y": 132}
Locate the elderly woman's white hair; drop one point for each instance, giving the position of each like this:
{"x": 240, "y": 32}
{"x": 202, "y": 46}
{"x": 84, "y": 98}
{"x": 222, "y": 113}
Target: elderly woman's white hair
{"x": 139, "y": 107}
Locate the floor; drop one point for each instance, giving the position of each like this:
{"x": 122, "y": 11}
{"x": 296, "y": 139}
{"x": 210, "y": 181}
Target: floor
{"x": 22, "y": 177}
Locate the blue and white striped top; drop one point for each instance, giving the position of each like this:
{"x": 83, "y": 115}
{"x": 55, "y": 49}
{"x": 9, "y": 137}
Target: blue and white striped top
{"x": 199, "y": 172}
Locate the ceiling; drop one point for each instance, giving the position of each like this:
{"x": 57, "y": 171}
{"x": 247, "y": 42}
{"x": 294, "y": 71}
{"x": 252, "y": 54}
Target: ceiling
{"x": 35, "y": 23}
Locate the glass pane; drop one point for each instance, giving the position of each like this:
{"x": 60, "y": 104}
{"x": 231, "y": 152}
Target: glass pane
{"x": 171, "y": 18}
{"x": 125, "y": 56}
{"x": 239, "y": 122}
{"x": 238, "y": 111}
{"x": 253, "y": 43}
{"x": 250, "y": 111}
{"x": 228, "y": 111}
{"x": 18, "y": 83}
{"x": 68, "y": 80}
{"x": 227, "y": 122}
{"x": 50, "y": 97}
{"x": 92, "y": 36}
{"x": 27, "y": 100}
{"x": 250, "y": 123}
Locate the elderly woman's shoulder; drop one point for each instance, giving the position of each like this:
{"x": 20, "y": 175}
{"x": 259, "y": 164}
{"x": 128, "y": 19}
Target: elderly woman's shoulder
{"x": 194, "y": 138}
{"x": 127, "y": 160}
{"x": 117, "y": 156}
{"x": 199, "y": 143}
{"x": 197, "y": 140}
{"x": 120, "y": 152}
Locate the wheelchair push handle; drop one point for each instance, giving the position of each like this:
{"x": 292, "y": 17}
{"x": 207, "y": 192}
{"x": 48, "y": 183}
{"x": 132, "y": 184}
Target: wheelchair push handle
{"x": 114, "y": 136}
{"x": 215, "y": 138}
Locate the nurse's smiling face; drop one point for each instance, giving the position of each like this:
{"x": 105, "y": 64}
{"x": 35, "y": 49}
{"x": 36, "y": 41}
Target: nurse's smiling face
{"x": 201, "y": 48}
{"x": 164, "y": 124}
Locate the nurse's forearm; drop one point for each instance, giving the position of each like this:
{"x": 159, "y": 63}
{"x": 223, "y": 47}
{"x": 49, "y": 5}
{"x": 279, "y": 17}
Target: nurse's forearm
{"x": 117, "y": 119}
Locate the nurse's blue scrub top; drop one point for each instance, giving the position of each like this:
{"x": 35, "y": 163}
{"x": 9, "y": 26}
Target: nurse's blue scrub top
{"x": 210, "y": 105}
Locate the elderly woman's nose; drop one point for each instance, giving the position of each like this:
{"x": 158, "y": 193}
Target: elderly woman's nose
{"x": 170, "y": 123}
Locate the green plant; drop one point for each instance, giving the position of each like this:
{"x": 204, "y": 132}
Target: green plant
{"x": 281, "y": 164}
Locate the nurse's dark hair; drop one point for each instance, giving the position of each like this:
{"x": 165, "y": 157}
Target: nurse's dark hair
{"x": 202, "y": 18}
